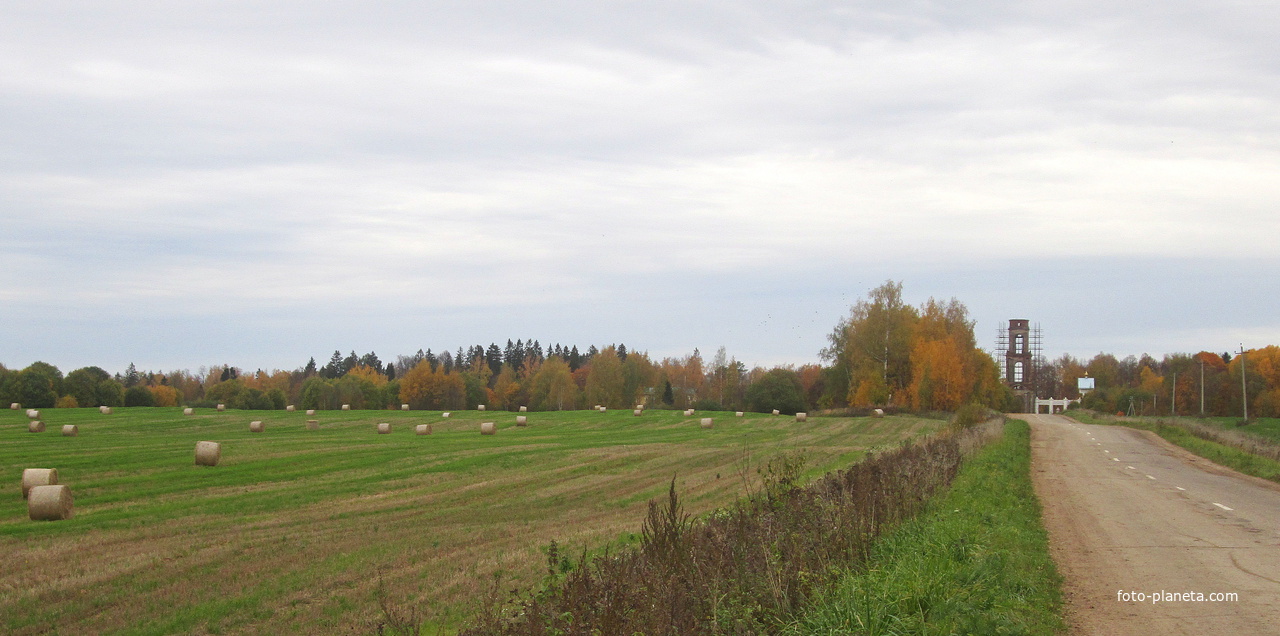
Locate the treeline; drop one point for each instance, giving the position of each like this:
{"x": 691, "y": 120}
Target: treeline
{"x": 1177, "y": 384}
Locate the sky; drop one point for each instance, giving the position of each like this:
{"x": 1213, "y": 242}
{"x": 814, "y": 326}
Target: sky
{"x": 255, "y": 183}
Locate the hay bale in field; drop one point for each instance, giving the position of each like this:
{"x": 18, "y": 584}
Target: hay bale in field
{"x": 105, "y": 410}
{"x": 32, "y": 477}
{"x": 15, "y": 406}
{"x": 877, "y": 413}
{"x": 384, "y": 428}
{"x": 313, "y": 425}
{"x": 291, "y": 408}
{"x": 738, "y": 414}
{"x": 33, "y": 414}
{"x": 222, "y": 407}
{"x": 311, "y": 411}
{"x": 488, "y": 428}
{"x": 70, "y": 430}
{"x": 404, "y": 407}
{"x": 445, "y": 415}
{"x": 524, "y": 409}
{"x": 777, "y": 412}
{"x": 188, "y": 411}
{"x": 637, "y": 412}
{"x": 50, "y": 503}
{"x": 801, "y": 417}
{"x": 35, "y": 426}
{"x": 639, "y": 407}
{"x": 479, "y": 407}
{"x": 256, "y": 427}
{"x": 705, "y": 422}
{"x": 422, "y": 429}
{"x": 604, "y": 409}
{"x": 688, "y": 412}
{"x": 346, "y": 407}
{"x": 522, "y": 420}
{"x": 208, "y": 453}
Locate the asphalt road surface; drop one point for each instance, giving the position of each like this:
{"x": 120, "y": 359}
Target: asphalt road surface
{"x": 1128, "y": 512}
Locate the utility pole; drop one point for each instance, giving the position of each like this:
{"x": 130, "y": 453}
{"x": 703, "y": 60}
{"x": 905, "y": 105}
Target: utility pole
{"x": 1173, "y": 399}
{"x": 1244, "y": 389}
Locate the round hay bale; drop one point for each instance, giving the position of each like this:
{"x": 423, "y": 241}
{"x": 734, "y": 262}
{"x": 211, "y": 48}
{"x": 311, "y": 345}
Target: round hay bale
{"x": 524, "y": 409}
{"x": 222, "y": 407}
{"x": 637, "y": 412}
{"x": 422, "y": 429}
{"x": 33, "y": 414}
{"x": 50, "y": 503}
{"x": 603, "y": 409}
{"x": 32, "y": 477}
{"x": 705, "y": 422}
{"x": 70, "y": 430}
{"x": 777, "y": 412}
{"x": 488, "y": 428}
{"x": 404, "y": 407}
{"x": 688, "y": 412}
{"x": 311, "y": 411}
{"x": 738, "y": 414}
{"x": 188, "y": 411}
{"x": 639, "y": 407}
{"x": 445, "y": 415}
{"x": 522, "y": 420}
{"x": 105, "y": 410}
{"x": 801, "y": 417}
{"x": 384, "y": 428}
{"x": 208, "y": 453}
{"x": 313, "y": 425}
{"x": 877, "y": 413}
{"x": 346, "y": 407}
{"x": 479, "y": 407}
{"x": 291, "y": 408}
{"x": 256, "y": 427}
{"x": 35, "y": 426}
{"x": 15, "y": 406}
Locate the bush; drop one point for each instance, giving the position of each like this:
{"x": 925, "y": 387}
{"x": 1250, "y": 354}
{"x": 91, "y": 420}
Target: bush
{"x": 66, "y": 402}
{"x": 971, "y": 415}
{"x": 778, "y": 389}
{"x": 708, "y": 405}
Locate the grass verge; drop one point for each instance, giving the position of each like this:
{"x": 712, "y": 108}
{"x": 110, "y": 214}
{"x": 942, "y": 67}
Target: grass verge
{"x": 1241, "y": 451}
{"x": 976, "y": 561}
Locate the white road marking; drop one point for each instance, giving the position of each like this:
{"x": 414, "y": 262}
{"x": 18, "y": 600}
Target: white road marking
{"x": 1222, "y": 506}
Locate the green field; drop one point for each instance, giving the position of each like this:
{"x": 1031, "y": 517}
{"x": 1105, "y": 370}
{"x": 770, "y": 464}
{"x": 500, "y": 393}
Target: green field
{"x": 324, "y": 531}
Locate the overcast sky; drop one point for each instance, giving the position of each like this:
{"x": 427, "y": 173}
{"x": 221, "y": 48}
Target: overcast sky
{"x": 256, "y": 183}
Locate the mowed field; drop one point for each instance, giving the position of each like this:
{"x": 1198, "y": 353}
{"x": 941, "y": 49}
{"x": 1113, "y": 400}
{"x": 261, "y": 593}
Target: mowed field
{"x": 299, "y": 531}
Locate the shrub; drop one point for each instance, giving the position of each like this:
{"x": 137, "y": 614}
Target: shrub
{"x": 139, "y": 396}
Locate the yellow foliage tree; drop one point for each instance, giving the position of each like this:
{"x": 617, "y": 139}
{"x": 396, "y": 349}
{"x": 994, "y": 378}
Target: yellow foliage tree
{"x": 164, "y": 395}
{"x": 938, "y": 378}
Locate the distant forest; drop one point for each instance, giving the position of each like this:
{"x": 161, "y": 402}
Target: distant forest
{"x": 885, "y": 353}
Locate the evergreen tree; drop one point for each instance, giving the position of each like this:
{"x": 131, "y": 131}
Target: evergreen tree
{"x": 574, "y": 358}
{"x": 493, "y": 357}
{"x": 622, "y": 352}
{"x": 310, "y": 369}
{"x": 446, "y": 361}
{"x": 668, "y": 396}
{"x": 391, "y": 371}
{"x": 350, "y": 362}
{"x": 131, "y": 376}
{"x": 334, "y": 368}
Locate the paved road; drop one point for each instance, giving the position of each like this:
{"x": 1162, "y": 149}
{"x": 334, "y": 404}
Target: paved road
{"x": 1127, "y": 511}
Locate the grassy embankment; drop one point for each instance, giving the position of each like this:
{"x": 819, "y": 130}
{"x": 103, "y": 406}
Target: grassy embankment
{"x": 1253, "y": 449}
{"x": 975, "y": 561}
{"x": 311, "y": 531}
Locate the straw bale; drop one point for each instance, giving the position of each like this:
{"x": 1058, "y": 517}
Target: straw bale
{"x": 706, "y": 422}
{"x": 524, "y": 409}
{"x": 70, "y": 430}
{"x": 637, "y": 412}
{"x": 801, "y": 417}
{"x": 878, "y": 413}
{"x": 422, "y": 429}
{"x": 105, "y": 410}
{"x": 522, "y": 420}
{"x": 291, "y": 408}
{"x": 33, "y": 414}
{"x": 32, "y": 477}
{"x": 688, "y": 412}
{"x": 35, "y": 426}
{"x": 404, "y": 407}
{"x": 256, "y": 427}
{"x": 208, "y": 453}
{"x": 346, "y": 407}
{"x": 777, "y": 412}
{"x": 445, "y": 415}
{"x": 479, "y": 407}
{"x": 50, "y": 503}
{"x": 488, "y": 428}
{"x": 640, "y": 407}
{"x": 222, "y": 407}
{"x": 384, "y": 428}
{"x": 313, "y": 425}
{"x": 15, "y": 406}
{"x": 188, "y": 411}
{"x": 603, "y": 409}
{"x": 738, "y": 414}
{"x": 311, "y": 411}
